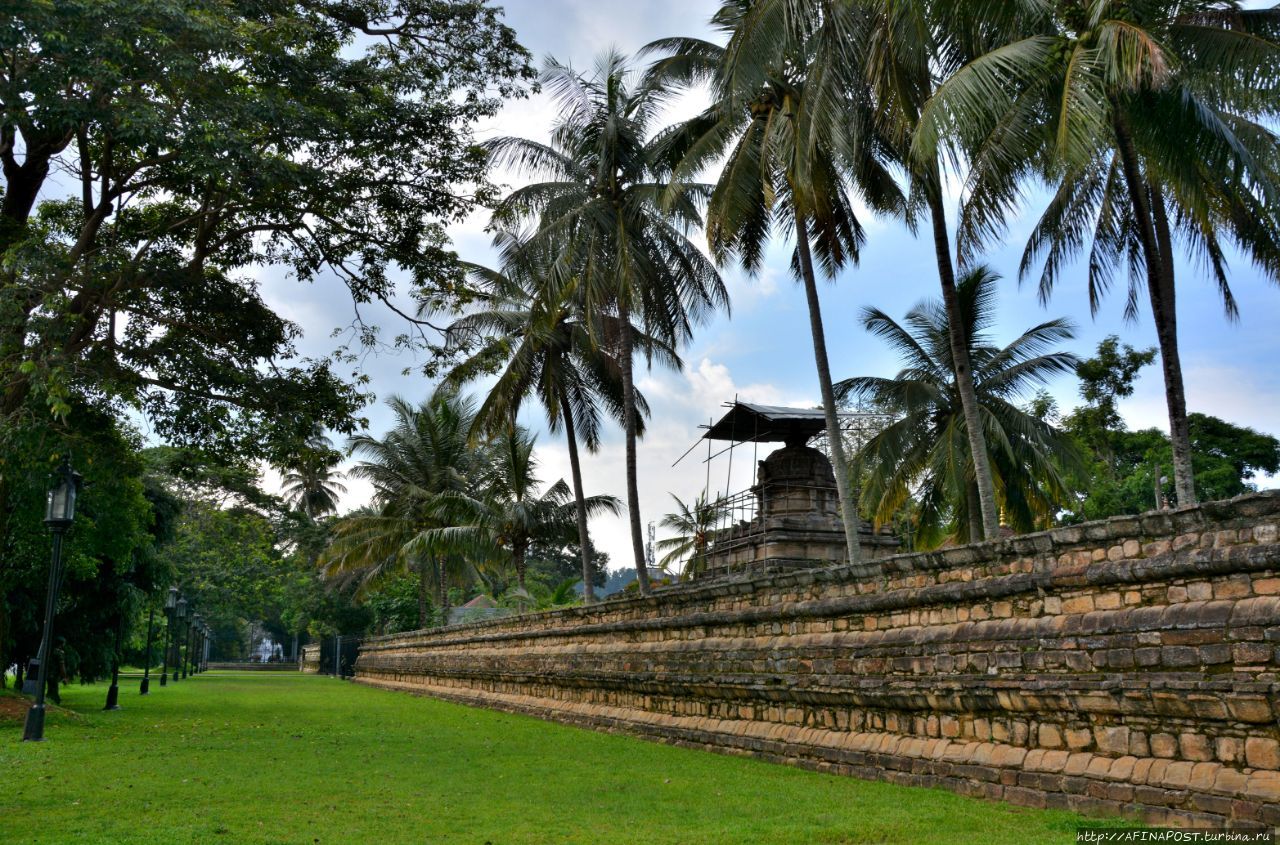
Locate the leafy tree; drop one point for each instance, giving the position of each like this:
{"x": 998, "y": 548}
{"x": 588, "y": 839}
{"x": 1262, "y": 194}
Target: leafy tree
{"x": 557, "y": 562}
{"x": 924, "y": 453}
{"x": 195, "y": 141}
{"x": 621, "y": 223}
{"x": 107, "y": 554}
{"x": 1154, "y": 122}
{"x": 1128, "y": 471}
{"x": 1228, "y": 457}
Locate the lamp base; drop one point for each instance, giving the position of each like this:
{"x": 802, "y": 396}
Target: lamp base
{"x": 113, "y": 698}
{"x": 146, "y": 687}
{"x": 33, "y": 730}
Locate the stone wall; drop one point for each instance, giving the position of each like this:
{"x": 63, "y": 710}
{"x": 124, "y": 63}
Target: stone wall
{"x": 1119, "y": 667}
{"x": 260, "y": 667}
{"x": 310, "y": 659}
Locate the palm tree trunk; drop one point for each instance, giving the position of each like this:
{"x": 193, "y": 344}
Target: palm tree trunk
{"x": 1157, "y": 253}
{"x": 848, "y": 502}
{"x": 422, "y": 593}
{"x": 442, "y": 591}
{"x": 963, "y": 366}
{"x": 974, "y": 511}
{"x": 580, "y": 501}
{"x": 1165, "y": 314}
{"x": 518, "y": 560}
{"x": 629, "y": 426}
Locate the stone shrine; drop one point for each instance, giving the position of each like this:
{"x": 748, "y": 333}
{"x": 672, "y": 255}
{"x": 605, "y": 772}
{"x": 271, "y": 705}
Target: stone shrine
{"x": 793, "y": 510}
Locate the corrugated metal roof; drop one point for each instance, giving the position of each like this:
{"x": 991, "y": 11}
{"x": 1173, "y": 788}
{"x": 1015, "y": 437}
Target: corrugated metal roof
{"x": 767, "y": 423}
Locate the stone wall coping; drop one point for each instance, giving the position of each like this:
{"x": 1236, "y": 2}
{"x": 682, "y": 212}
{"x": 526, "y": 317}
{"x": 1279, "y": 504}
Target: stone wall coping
{"x": 1042, "y": 544}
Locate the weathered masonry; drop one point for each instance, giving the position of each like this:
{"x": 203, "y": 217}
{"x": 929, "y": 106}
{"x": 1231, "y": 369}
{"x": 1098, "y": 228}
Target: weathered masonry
{"x": 1126, "y": 666}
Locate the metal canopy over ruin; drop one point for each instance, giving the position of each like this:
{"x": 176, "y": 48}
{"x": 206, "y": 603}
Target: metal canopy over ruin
{"x": 766, "y": 424}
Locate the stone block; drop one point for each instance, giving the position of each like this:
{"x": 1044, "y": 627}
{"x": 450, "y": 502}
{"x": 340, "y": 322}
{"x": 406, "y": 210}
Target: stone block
{"x": 1049, "y": 736}
{"x": 1079, "y": 738}
{"x": 1193, "y": 746}
{"x": 1262, "y": 753}
{"x": 1112, "y": 740}
{"x": 1163, "y": 745}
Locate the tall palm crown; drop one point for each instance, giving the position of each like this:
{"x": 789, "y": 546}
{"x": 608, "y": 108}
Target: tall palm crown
{"x": 418, "y": 470}
{"x": 1152, "y": 119}
{"x": 692, "y": 523}
{"x": 311, "y": 482}
{"x": 621, "y": 222}
{"x": 537, "y": 336}
{"x": 508, "y": 511}
{"x": 794, "y": 158}
{"x": 924, "y": 453}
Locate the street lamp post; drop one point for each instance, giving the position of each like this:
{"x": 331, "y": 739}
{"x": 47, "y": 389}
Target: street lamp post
{"x": 60, "y": 512}
{"x": 170, "y": 607}
{"x": 186, "y": 655}
{"x": 193, "y": 636}
{"x": 181, "y": 614}
{"x": 146, "y": 666}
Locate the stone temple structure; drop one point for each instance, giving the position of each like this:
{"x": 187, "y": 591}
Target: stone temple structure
{"x": 790, "y": 518}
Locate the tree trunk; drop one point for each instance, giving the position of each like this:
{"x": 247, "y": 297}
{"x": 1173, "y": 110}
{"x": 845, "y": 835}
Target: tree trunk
{"x": 518, "y": 561}
{"x": 848, "y": 502}
{"x": 629, "y": 426}
{"x": 442, "y": 589}
{"x": 1157, "y": 254}
{"x": 963, "y": 367}
{"x": 1165, "y": 315}
{"x": 974, "y": 510}
{"x": 580, "y": 502}
{"x": 422, "y": 593}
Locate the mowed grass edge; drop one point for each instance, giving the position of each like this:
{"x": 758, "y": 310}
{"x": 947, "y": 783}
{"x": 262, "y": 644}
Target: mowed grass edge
{"x": 285, "y": 758}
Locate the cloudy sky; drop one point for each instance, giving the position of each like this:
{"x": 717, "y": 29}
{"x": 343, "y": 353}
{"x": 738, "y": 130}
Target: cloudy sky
{"x": 762, "y": 352}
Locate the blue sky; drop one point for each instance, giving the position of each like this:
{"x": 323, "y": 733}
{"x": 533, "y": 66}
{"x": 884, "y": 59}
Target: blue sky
{"x": 763, "y": 352}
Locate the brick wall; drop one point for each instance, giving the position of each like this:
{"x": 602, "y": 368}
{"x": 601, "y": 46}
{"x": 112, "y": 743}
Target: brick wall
{"x": 1120, "y": 667}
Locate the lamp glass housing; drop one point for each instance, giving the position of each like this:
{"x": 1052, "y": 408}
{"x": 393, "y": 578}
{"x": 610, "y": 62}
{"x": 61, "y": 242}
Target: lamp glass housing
{"x": 60, "y": 504}
{"x": 182, "y": 608}
{"x": 171, "y": 600}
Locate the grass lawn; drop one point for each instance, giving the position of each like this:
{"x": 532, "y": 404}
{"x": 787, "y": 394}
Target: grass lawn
{"x": 276, "y": 757}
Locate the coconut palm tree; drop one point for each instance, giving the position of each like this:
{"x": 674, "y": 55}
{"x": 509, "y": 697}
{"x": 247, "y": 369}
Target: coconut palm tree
{"x": 692, "y": 524}
{"x": 784, "y": 169}
{"x": 923, "y": 454}
{"x": 419, "y": 470}
{"x": 1154, "y": 122}
{"x": 311, "y": 481}
{"x": 508, "y": 512}
{"x": 537, "y": 338}
{"x": 883, "y": 57}
{"x": 622, "y": 224}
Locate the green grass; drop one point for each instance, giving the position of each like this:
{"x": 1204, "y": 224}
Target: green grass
{"x": 276, "y": 758}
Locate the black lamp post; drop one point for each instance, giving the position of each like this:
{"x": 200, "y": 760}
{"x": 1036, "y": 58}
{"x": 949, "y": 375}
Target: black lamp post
{"x": 60, "y": 512}
{"x": 181, "y": 616}
{"x": 186, "y": 655}
{"x": 193, "y": 637}
{"x": 208, "y": 644}
{"x": 170, "y": 607}
{"x": 146, "y": 666}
